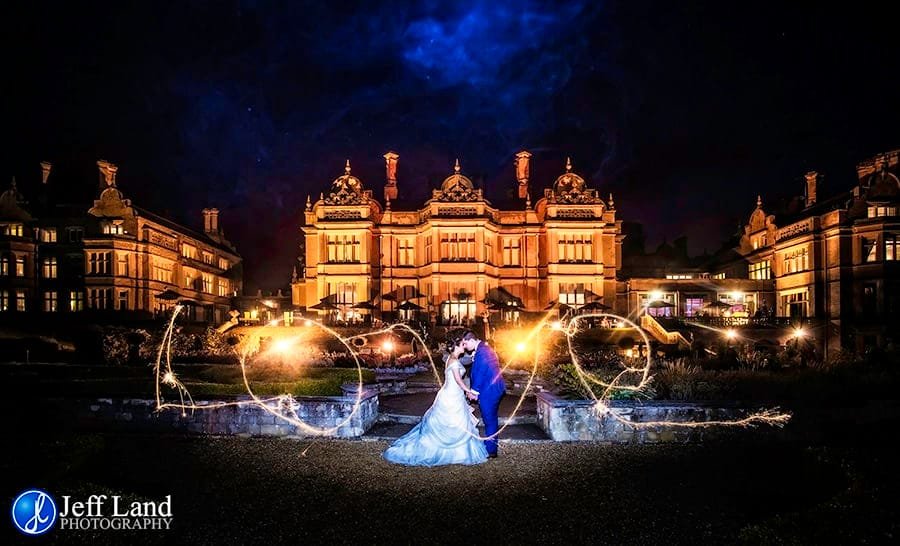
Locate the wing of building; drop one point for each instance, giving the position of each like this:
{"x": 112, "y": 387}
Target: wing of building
{"x": 112, "y": 258}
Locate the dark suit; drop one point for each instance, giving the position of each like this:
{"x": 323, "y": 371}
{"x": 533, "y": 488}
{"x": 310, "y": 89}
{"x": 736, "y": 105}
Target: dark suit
{"x": 488, "y": 381}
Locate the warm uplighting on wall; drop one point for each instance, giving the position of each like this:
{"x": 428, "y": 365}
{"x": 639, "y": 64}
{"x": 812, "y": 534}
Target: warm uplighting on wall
{"x": 656, "y": 295}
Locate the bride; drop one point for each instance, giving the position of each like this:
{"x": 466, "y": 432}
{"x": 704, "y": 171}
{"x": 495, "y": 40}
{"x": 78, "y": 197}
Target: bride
{"x": 447, "y": 432}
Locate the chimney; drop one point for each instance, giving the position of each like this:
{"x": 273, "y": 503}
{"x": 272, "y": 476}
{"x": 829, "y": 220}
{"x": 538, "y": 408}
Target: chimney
{"x": 211, "y": 220}
{"x": 107, "y": 174}
{"x": 390, "y": 166}
{"x": 812, "y": 181}
{"x": 45, "y": 171}
{"x": 523, "y": 171}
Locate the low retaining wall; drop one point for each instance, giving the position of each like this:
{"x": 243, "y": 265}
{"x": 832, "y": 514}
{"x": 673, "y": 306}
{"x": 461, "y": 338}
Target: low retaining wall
{"x": 577, "y": 420}
{"x": 245, "y": 417}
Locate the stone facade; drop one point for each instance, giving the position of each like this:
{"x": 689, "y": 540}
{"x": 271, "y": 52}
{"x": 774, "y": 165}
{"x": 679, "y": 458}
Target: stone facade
{"x": 577, "y": 420}
{"x": 246, "y": 417}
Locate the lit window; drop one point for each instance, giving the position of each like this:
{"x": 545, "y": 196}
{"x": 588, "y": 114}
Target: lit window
{"x": 100, "y": 298}
{"x": 50, "y": 302}
{"x": 680, "y": 277}
{"x": 891, "y": 246}
{"x": 761, "y": 270}
{"x": 223, "y": 263}
{"x": 14, "y": 230}
{"x": 795, "y": 261}
{"x": 121, "y": 264}
{"x": 4, "y": 300}
{"x": 879, "y": 210}
{"x": 458, "y": 247}
{"x": 123, "y": 300}
{"x": 207, "y": 283}
{"x": 575, "y": 248}
{"x": 719, "y": 275}
{"x": 869, "y": 250}
{"x": 48, "y": 267}
{"x": 20, "y": 266}
{"x": 343, "y": 248}
{"x": 113, "y": 228}
{"x": 4, "y": 266}
{"x": 20, "y": 300}
{"x": 223, "y": 287}
{"x": 48, "y": 235}
{"x": 189, "y": 251}
{"x": 76, "y": 300}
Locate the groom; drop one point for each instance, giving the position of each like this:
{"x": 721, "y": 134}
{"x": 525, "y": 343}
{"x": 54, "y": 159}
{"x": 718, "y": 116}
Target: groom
{"x": 488, "y": 382}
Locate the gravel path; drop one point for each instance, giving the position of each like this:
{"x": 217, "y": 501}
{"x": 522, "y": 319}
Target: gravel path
{"x": 256, "y": 490}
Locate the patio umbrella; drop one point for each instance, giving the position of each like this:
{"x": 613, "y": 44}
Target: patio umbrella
{"x": 410, "y": 306}
{"x": 168, "y": 295}
{"x": 324, "y": 306}
{"x": 595, "y": 306}
{"x": 659, "y": 304}
{"x": 364, "y": 305}
{"x": 403, "y": 293}
{"x": 717, "y": 305}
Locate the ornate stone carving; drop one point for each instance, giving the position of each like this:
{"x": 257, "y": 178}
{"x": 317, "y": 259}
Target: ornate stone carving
{"x": 347, "y": 190}
{"x": 571, "y": 188}
{"x": 575, "y": 213}
{"x": 343, "y": 215}
{"x": 457, "y": 211}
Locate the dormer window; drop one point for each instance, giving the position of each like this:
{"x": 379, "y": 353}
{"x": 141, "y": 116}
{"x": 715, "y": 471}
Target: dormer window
{"x": 877, "y": 211}
{"x": 113, "y": 228}
{"x": 13, "y": 230}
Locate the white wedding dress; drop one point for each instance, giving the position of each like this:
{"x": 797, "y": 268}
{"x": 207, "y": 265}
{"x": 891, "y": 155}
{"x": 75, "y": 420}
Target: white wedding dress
{"x": 447, "y": 432}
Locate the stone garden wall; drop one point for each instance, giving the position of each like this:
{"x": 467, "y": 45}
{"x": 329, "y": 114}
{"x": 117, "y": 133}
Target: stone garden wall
{"x": 245, "y": 417}
{"x": 576, "y": 420}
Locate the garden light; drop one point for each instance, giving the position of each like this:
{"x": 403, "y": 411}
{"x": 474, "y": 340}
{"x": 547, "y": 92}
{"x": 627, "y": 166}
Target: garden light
{"x": 731, "y": 333}
{"x": 283, "y": 346}
{"x": 388, "y": 345}
{"x": 557, "y": 325}
{"x": 799, "y": 333}
{"x": 520, "y": 347}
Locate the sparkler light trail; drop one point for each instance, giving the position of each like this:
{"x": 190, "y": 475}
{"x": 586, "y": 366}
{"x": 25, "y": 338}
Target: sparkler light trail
{"x": 286, "y": 406}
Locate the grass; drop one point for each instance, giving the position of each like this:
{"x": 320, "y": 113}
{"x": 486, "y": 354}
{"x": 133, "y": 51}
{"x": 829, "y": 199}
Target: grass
{"x": 201, "y": 380}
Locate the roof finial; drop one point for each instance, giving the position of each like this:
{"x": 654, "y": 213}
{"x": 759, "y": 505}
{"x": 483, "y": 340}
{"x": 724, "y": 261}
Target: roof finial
{"x": 759, "y": 201}
{"x": 308, "y": 202}
{"x": 568, "y": 164}
{"x": 347, "y": 167}
{"x": 612, "y": 204}
{"x": 456, "y": 167}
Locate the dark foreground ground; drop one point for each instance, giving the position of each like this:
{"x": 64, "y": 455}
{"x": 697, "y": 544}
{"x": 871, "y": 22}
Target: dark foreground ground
{"x": 747, "y": 488}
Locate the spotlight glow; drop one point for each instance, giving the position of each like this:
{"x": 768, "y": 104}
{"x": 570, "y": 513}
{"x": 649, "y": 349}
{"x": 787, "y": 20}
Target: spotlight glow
{"x": 731, "y": 333}
{"x": 388, "y": 345}
{"x": 521, "y": 346}
{"x": 283, "y": 346}
{"x": 799, "y": 333}
{"x": 656, "y": 295}
{"x": 557, "y": 325}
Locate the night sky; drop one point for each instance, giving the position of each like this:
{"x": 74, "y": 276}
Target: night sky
{"x": 684, "y": 112}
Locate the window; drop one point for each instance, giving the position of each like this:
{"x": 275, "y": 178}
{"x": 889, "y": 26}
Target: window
{"x": 719, "y": 275}
{"x": 870, "y": 299}
{"x": 679, "y": 277}
{"x": 876, "y": 211}
{"x": 575, "y": 248}
{"x": 189, "y": 251}
{"x": 207, "y": 283}
{"x": 428, "y": 250}
{"x": 123, "y": 300}
{"x": 76, "y": 234}
{"x": 99, "y": 263}
{"x": 223, "y": 263}
{"x": 796, "y": 260}
{"x": 20, "y": 300}
{"x": 113, "y": 228}
{"x": 343, "y": 248}
{"x": 50, "y": 302}
{"x": 121, "y": 264}
{"x": 189, "y": 280}
{"x": 48, "y": 267}
{"x": 161, "y": 270}
{"x": 14, "y": 230}
{"x": 20, "y": 266}
{"x": 223, "y": 287}
{"x": 405, "y": 252}
{"x": 207, "y": 258}
{"x": 761, "y": 270}
{"x": 759, "y": 241}
{"x": 4, "y": 265}
{"x": 511, "y": 251}
{"x": 4, "y": 300}
{"x": 891, "y": 246}
{"x": 571, "y": 294}
{"x": 869, "y": 249}
{"x": 458, "y": 247}
{"x": 48, "y": 235}
{"x": 693, "y": 304}
{"x": 76, "y": 300}
{"x": 796, "y": 305}
{"x": 100, "y": 298}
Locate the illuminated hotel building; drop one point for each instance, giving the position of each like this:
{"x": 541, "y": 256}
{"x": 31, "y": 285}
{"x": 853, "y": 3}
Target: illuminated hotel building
{"x": 110, "y": 259}
{"x": 457, "y": 256}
